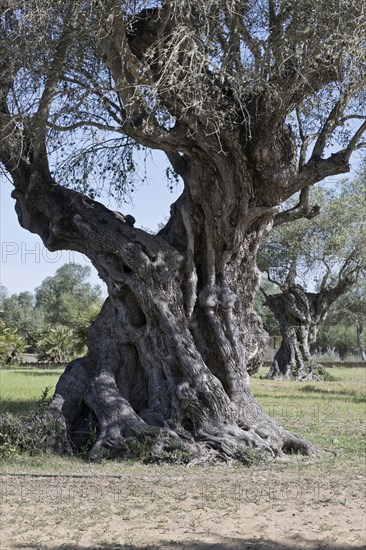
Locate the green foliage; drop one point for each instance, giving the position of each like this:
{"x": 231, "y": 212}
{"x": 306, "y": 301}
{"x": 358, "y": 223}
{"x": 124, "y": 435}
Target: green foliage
{"x": 7, "y": 447}
{"x": 54, "y": 322}
{"x": 67, "y": 296}
{"x": 12, "y": 345}
{"x": 320, "y": 250}
{"x": 19, "y": 313}
{"x": 248, "y": 457}
{"x": 340, "y": 337}
{"x": 69, "y": 305}
{"x": 138, "y": 448}
{"x": 147, "y": 448}
{"x": 344, "y": 328}
{"x": 58, "y": 344}
{"x": 172, "y": 452}
{"x": 3, "y": 296}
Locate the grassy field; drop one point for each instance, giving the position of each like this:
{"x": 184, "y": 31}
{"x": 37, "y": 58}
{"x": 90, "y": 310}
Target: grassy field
{"x": 21, "y": 388}
{"x": 330, "y": 414}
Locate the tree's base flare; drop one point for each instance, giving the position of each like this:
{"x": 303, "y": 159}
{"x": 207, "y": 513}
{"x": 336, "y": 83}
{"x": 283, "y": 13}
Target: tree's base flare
{"x": 309, "y": 371}
{"x": 194, "y": 419}
{"x": 166, "y": 445}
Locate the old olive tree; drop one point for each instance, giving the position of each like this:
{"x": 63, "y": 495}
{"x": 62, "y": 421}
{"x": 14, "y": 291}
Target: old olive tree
{"x": 244, "y": 99}
{"x": 314, "y": 263}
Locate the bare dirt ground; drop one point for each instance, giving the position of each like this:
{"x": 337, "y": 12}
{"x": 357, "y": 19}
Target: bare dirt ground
{"x": 308, "y": 505}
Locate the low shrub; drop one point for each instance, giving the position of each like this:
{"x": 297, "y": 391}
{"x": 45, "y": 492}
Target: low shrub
{"x": 150, "y": 449}
{"x": 33, "y": 433}
{"x": 248, "y": 456}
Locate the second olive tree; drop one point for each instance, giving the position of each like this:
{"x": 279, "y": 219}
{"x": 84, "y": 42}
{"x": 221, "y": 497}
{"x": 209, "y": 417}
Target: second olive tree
{"x": 314, "y": 263}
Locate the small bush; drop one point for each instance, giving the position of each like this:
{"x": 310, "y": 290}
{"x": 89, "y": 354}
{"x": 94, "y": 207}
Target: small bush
{"x": 138, "y": 448}
{"x": 173, "y": 453}
{"x": 32, "y": 434}
{"x": 248, "y": 456}
{"x": 7, "y": 447}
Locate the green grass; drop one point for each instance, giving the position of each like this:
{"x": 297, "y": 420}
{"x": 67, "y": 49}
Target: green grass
{"x": 20, "y": 389}
{"x": 329, "y": 414}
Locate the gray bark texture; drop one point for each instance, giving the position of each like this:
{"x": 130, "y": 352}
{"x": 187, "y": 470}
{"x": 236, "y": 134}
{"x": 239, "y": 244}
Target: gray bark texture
{"x": 175, "y": 342}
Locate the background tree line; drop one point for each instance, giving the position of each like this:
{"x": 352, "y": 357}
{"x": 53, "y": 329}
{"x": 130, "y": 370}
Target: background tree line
{"x": 53, "y": 322}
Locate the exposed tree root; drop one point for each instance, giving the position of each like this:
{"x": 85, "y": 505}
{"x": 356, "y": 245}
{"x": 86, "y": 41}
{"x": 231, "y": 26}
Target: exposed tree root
{"x": 306, "y": 371}
{"x": 99, "y": 408}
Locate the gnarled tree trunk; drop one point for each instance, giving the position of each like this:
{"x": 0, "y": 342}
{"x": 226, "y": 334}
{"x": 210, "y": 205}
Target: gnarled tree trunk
{"x": 299, "y": 314}
{"x": 173, "y": 346}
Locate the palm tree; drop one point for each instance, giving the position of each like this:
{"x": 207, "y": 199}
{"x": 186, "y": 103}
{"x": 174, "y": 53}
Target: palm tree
{"x": 12, "y": 345}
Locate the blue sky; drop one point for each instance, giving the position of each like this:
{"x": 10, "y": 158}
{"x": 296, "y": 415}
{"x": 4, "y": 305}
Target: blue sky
{"x": 25, "y": 262}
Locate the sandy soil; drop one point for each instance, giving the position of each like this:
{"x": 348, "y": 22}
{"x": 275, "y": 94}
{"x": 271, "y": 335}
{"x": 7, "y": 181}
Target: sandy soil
{"x": 192, "y": 509}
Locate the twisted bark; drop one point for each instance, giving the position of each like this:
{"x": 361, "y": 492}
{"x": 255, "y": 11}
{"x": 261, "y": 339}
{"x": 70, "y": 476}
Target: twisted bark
{"x": 172, "y": 349}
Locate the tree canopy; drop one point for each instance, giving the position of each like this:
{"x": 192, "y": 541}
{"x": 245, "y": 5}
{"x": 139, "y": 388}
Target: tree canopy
{"x": 327, "y": 250}
{"x": 88, "y": 81}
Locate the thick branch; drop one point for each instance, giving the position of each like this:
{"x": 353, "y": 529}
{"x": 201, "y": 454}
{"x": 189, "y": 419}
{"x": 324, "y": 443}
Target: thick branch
{"x": 328, "y": 127}
{"x": 317, "y": 169}
{"x": 66, "y": 219}
{"x": 327, "y": 296}
{"x": 301, "y": 210}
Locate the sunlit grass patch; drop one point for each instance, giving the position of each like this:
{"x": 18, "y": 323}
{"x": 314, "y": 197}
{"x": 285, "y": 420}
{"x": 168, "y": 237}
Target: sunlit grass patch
{"x": 20, "y": 389}
{"x": 329, "y": 414}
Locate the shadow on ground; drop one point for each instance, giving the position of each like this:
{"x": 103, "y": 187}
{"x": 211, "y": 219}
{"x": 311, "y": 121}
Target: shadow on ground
{"x": 225, "y": 544}
{"x": 333, "y": 394}
{"x": 17, "y": 406}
